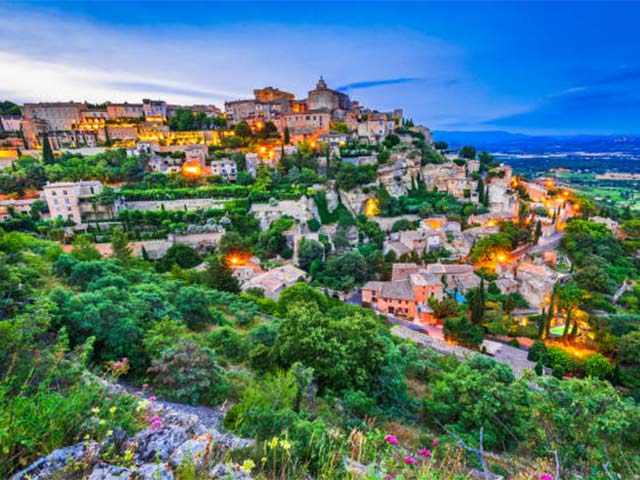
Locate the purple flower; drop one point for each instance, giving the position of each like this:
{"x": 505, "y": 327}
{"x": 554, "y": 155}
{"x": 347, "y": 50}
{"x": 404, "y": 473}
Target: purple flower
{"x": 409, "y": 460}
{"x": 425, "y": 452}
{"x": 434, "y": 443}
{"x": 391, "y": 439}
{"x": 546, "y": 476}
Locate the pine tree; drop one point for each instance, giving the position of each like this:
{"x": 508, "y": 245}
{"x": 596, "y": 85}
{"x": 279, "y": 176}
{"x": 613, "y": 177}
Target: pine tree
{"x": 120, "y": 246}
{"x": 47, "y": 152}
{"x": 219, "y": 276}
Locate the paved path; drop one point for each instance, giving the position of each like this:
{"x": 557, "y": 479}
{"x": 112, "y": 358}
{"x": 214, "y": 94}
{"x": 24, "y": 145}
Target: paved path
{"x": 514, "y": 357}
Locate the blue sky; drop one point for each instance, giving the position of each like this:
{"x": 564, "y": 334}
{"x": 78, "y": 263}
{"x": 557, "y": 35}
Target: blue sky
{"x": 536, "y": 68}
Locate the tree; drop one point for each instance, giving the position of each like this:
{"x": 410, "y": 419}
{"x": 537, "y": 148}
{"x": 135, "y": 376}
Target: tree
{"x": 194, "y": 307}
{"x": 488, "y": 248}
{"x": 460, "y": 330}
{"x": 538, "y": 232}
{"x": 120, "y": 246}
{"x": 189, "y": 373}
{"x": 309, "y": 251}
{"x": 569, "y": 299}
{"x": 301, "y": 293}
{"x": 47, "y": 152}
{"x": 179, "y": 254}
{"x": 480, "y": 190}
{"x": 344, "y": 353}
{"x": 468, "y": 152}
{"x": 440, "y": 145}
{"x": 233, "y": 242}
{"x": 243, "y": 130}
{"x": 287, "y": 137}
{"x": 219, "y": 276}
{"x": 477, "y": 304}
{"x": 106, "y": 198}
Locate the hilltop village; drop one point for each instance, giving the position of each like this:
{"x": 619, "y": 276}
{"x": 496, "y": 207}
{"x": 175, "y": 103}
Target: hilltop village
{"x": 317, "y": 264}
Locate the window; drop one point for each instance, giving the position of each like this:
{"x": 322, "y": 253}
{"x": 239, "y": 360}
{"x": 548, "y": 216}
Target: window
{"x": 67, "y": 201}
{"x": 64, "y": 192}
{"x": 55, "y": 201}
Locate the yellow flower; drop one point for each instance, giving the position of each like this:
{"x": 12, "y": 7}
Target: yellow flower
{"x": 247, "y": 466}
{"x": 263, "y": 460}
{"x": 112, "y": 410}
{"x": 86, "y": 437}
{"x": 95, "y": 410}
{"x": 273, "y": 443}
{"x": 286, "y": 445}
{"x": 102, "y": 422}
{"x": 109, "y": 433}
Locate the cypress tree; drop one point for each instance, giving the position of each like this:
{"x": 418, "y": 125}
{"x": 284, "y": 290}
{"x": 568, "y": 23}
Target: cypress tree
{"x": 477, "y": 305}
{"x": 480, "y": 190}
{"x": 47, "y": 152}
{"x": 287, "y": 137}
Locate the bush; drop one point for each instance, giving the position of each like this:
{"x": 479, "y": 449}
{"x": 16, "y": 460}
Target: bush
{"x": 189, "y": 373}
{"x": 597, "y": 366}
{"x": 558, "y": 371}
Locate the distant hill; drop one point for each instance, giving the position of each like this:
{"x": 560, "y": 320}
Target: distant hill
{"x": 500, "y": 141}
{"x": 9, "y": 108}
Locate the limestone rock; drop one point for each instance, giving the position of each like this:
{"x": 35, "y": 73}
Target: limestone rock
{"x": 228, "y": 472}
{"x": 153, "y": 471}
{"x": 51, "y": 466}
{"x": 105, "y": 471}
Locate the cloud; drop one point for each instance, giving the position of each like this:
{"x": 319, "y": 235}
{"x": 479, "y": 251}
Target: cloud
{"x": 375, "y": 83}
{"x": 48, "y": 55}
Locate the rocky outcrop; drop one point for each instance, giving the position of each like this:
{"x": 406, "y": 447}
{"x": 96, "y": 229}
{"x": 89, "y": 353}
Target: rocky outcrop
{"x": 183, "y": 434}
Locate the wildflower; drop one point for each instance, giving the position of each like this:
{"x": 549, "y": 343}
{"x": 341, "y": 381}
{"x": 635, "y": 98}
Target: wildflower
{"x": 142, "y": 405}
{"x": 156, "y": 425}
{"x": 112, "y": 410}
{"x": 145, "y": 386}
{"x": 95, "y": 410}
{"x": 102, "y": 422}
{"x": 273, "y": 444}
{"x": 388, "y": 476}
{"x": 409, "y": 460}
{"x": 546, "y": 476}
{"x": 109, "y": 433}
{"x": 285, "y": 445}
{"x": 263, "y": 460}
{"x": 425, "y": 452}
{"x": 139, "y": 394}
{"x": 152, "y": 398}
{"x": 391, "y": 439}
{"x": 86, "y": 437}
{"x": 434, "y": 443}
{"x": 247, "y": 466}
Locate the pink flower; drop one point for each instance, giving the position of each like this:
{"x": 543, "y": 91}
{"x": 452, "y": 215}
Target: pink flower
{"x": 434, "y": 443}
{"x": 388, "y": 476}
{"x": 425, "y": 452}
{"x": 139, "y": 394}
{"x": 145, "y": 385}
{"x": 152, "y": 398}
{"x": 409, "y": 460}
{"x": 546, "y": 476}
{"x": 391, "y": 440}
{"x": 154, "y": 422}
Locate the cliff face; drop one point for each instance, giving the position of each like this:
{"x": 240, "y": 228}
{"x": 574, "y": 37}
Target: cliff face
{"x": 182, "y": 437}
